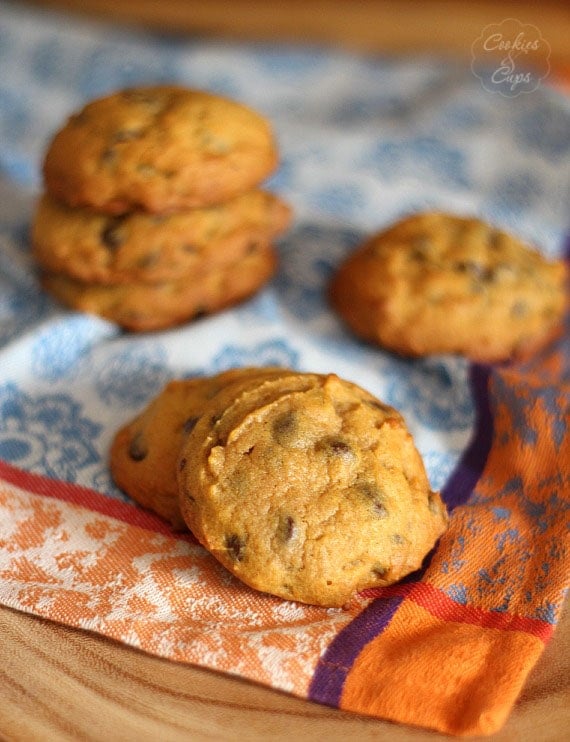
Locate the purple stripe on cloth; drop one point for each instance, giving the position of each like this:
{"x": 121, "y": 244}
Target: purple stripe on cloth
{"x": 332, "y": 670}
{"x": 334, "y": 666}
{"x": 470, "y": 467}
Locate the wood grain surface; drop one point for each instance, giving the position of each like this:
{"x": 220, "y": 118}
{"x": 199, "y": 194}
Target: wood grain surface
{"x": 63, "y": 684}
{"x": 394, "y": 26}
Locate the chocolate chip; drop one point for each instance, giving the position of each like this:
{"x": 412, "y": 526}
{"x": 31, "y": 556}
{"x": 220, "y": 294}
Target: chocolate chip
{"x": 285, "y": 428}
{"x": 286, "y": 528}
{"x": 108, "y": 156}
{"x": 112, "y": 235}
{"x": 149, "y": 259}
{"x": 468, "y": 266}
{"x": 190, "y": 424}
{"x": 138, "y": 449}
{"x": 420, "y": 247}
{"x": 235, "y": 547}
{"x": 378, "y": 570}
{"x": 433, "y": 503}
{"x": 133, "y": 95}
{"x": 379, "y": 509}
{"x": 336, "y": 447}
{"x": 480, "y": 273}
{"x": 371, "y": 491}
{"x": 127, "y": 135}
{"x": 519, "y": 309}
{"x": 495, "y": 238}
{"x": 200, "y": 312}
{"x": 182, "y": 464}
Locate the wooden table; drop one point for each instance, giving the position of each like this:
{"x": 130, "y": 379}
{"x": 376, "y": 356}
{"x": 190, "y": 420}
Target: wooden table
{"x": 62, "y": 684}
{"x": 394, "y": 26}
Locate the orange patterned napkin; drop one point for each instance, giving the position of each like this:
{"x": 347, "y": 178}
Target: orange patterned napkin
{"x": 448, "y": 649}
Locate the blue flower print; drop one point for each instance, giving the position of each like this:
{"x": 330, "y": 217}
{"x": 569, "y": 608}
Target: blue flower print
{"x": 289, "y": 63}
{"x": 48, "y": 434}
{"x": 439, "y": 467}
{"x": 133, "y": 375}
{"x": 266, "y": 353}
{"x": 101, "y": 481}
{"x": 419, "y": 158}
{"x": 16, "y": 116}
{"x": 435, "y": 391}
{"x": 19, "y": 308}
{"x": 375, "y": 108}
{"x": 58, "y": 350}
{"x": 309, "y": 255}
{"x": 108, "y": 67}
{"x": 341, "y": 199}
{"x": 545, "y": 128}
{"x": 517, "y": 191}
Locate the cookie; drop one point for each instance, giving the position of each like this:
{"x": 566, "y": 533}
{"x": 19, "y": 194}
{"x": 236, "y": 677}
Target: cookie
{"x": 141, "y": 307}
{"x": 144, "y": 452}
{"x": 159, "y": 148}
{"x": 309, "y": 488}
{"x": 437, "y": 283}
{"x": 92, "y": 247}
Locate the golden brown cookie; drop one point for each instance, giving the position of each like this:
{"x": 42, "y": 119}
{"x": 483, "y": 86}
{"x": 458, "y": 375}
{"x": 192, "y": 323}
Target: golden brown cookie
{"x": 159, "y": 148}
{"x": 437, "y": 283}
{"x": 143, "y": 307}
{"x": 144, "y": 452}
{"x": 93, "y": 247}
{"x": 309, "y": 488}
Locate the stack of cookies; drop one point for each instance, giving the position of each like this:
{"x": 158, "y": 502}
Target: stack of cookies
{"x": 302, "y": 485}
{"x": 152, "y": 213}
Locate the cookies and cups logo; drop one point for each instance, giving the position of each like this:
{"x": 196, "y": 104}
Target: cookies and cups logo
{"x": 510, "y": 58}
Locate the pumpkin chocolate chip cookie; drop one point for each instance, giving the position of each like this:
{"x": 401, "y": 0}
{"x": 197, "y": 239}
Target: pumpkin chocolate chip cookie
{"x": 142, "y": 307}
{"x": 160, "y": 149}
{"x": 92, "y": 247}
{"x": 309, "y": 488}
{"x": 144, "y": 452}
{"x": 437, "y": 283}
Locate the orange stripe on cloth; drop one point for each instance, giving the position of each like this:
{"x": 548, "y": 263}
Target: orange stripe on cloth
{"x": 458, "y": 649}
{"x": 398, "y": 675}
{"x": 507, "y": 548}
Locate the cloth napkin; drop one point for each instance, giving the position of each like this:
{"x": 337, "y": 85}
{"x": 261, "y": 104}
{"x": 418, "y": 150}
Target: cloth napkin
{"x": 364, "y": 140}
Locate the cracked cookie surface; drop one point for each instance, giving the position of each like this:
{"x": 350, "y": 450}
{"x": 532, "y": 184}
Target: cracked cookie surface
{"x": 309, "y": 488}
{"x": 159, "y": 148}
{"x": 437, "y": 283}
